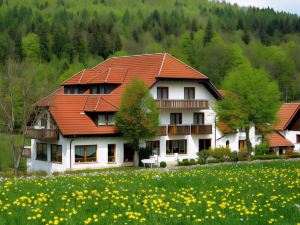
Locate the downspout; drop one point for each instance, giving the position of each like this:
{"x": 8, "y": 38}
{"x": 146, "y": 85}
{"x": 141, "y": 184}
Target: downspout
{"x": 71, "y": 151}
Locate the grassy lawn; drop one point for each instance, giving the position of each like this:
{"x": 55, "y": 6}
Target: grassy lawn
{"x": 258, "y": 193}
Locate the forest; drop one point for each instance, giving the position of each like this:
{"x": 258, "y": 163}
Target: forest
{"x": 60, "y": 37}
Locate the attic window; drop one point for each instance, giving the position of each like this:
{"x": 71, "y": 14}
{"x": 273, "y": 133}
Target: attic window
{"x": 103, "y": 88}
{"x": 74, "y": 90}
{"x": 105, "y": 119}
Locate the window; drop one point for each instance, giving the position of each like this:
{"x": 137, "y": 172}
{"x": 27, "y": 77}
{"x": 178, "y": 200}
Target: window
{"x": 105, "y": 119}
{"x": 111, "y": 151}
{"x": 44, "y": 121}
{"x": 128, "y": 153}
{"x": 41, "y": 151}
{"x": 242, "y": 144}
{"x": 189, "y": 93}
{"x": 176, "y": 146}
{"x": 154, "y": 147}
{"x": 85, "y": 153}
{"x": 227, "y": 144}
{"x": 199, "y": 118}
{"x": 204, "y": 144}
{"x": 74, "y": 90}
{"x": 103, "y": 88}
{"x": 162, "y": 93}
{"x": 56, "y": 153}
{"x": 175, "y": 118}
{"x": 298, "y": 138}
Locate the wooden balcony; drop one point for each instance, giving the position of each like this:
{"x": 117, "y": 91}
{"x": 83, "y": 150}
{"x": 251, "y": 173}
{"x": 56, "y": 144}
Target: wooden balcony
{"x": 42, "y": 134}
{"x": 163, "y": 131}
{"x": 201, "y": 129}
{"x": 182, "y": 104}
{"x": 174, "y": 130}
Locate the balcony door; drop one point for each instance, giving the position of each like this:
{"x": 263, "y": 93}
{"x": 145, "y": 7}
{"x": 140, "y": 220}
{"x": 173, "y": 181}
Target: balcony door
{"x": 175, "y": 118}
{"x": 189, "y": 93}
{"x": 111, "y": 151}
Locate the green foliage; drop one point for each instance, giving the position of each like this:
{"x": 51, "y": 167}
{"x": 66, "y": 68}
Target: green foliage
{"x": 193, "y": 162}
{"x": 251, "y": 99}
{"x": 203, "y": 155}
{"x": 294, "y": 155}
{"x": 31, "y": 46}
{"x": 269, "y": 157}
{"x": 220, "y": 153}
{"x": 186, "y": 162}
{"x": 138, "y": 116}
{"x": 144, "y": 153}
{"x": 163, "y": 164}
{"x": 261, "y": 149}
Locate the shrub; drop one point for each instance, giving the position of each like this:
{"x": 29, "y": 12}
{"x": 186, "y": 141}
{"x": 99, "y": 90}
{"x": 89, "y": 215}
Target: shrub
{"x": 214, "y": 161}
{"x": 220, "y": 153}
{"x": 193, "y": 162}
{"x": 186, "y": 162}
{"x": 233, "y": 157}
{"x": 261, "y": 149}
{"x": 269, "y": 157}
{"x": 203, "y": 155}
{"x": 294, "y": 155}
{"x": 180, "y": 163}
{"x": 163, "y": 164}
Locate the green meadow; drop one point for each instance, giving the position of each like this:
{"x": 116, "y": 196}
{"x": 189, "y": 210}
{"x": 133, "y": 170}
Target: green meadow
{"x": 248, "y": 193}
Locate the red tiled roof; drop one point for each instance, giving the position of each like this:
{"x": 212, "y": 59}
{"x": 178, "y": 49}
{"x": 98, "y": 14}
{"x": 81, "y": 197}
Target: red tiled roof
{"x": 225, "y": 128}
{"x": 67, "y": 109}
{"x": 277, "y": 140}
{"x": 286, "y": 114}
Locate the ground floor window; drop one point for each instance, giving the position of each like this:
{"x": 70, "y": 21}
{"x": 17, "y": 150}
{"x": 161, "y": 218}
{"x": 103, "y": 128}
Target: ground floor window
{"x": 111, "y": 149}
{"x": 128, "y": 153}
{"x": 204, "y": 144}
{"x": 298, "y": 138}
{"x": 85, "y": 153}
{"x": 56, "y": 153}
{"x": 242, "y": 144}
{"x": 154, "y": 146}
{"x": 176, "y": 146}
{"x": 41, "y": 151}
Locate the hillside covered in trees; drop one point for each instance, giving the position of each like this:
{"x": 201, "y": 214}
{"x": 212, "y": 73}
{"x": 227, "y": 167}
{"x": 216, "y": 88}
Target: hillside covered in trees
{"x": 62, "y": 37}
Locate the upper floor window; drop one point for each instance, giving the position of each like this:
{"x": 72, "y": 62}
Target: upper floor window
{"x": 176, "y": 118}
{"x": 162, "y": 92}
{"x": 103, "y": 88}
{"x": 74, "y": 90}
{"x": 189, "y": 93}
{"x": 105, "y": 119}
{"x": 199, "y": 118}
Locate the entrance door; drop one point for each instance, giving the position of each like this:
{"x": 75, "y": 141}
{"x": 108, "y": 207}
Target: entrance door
{"x": 242, "y": 144}
{"x": 128, "y": 153}
{"x": 111, "y": 151}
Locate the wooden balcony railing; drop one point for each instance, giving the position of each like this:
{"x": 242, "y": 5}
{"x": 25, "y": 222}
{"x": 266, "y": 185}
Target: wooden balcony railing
{"x": 201, "y": 129}
{"x": 179, "y": 130}
{"x": 42, "y": 134}
{"x": 182, "y": 104}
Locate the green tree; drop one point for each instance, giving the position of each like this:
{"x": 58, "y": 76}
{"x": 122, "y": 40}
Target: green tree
{"x": 251, "y": 99}
{"x": 31, "y": 46}
{"x": 138, "y": 116}
{"x": 208, "y": 34}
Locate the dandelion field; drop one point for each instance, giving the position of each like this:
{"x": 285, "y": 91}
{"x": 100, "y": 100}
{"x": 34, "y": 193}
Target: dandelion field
{"x": 258, "y": 193}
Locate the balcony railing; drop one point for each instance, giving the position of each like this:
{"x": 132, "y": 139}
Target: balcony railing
{"x": 182, "y": 104}
{"x": 42, "y": 134}
{"x": 179, "y": 129}
{"x": 201, "y": 129}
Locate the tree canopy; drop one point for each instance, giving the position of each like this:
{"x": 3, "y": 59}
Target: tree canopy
{"x": 250, "y": 99}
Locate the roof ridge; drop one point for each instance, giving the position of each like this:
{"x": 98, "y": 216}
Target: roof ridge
{"x": 82, "y": 73}
{"x": 97, "y": 103}
{"x": 110, "y": 103}
{"x": 145, "y": 54}
{"x": 161, "y": 66}
{"x": 108, "y": 72}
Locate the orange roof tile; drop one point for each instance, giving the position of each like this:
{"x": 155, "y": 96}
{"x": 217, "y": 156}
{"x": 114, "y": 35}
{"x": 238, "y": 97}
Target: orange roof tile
{"x": 277, "y": 140}
{"x": 68, "y": 109}
{"x": 286, "y": 114}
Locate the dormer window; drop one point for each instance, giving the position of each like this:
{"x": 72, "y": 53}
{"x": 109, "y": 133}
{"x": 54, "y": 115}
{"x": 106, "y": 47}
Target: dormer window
{"x": 105, "y": 119}
{"x": 74, "y": 90}
{"x": 103, "y": 88}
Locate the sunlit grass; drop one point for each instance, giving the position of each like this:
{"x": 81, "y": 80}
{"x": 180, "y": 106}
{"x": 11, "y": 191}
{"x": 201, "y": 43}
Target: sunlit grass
{"x": 258, "y": 193}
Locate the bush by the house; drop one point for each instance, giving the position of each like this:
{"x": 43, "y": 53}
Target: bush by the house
{"x": 203, "y": 155}
{"x": 233, "y": 157}
{"x": 220, "y": 153}
{"x": 269, "y": 157}
{"x": 294, "y": 155}
{"x": 193, "y": 162}
{"x": 261, "y": 149}
{"x": 163, "y": 164}
{"x": 186, "y": 162}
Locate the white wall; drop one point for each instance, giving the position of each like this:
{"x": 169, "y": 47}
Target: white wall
{"x": 291, "y": 136}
